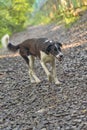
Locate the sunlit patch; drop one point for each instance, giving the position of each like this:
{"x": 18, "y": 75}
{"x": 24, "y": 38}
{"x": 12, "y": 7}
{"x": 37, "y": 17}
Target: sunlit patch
{"x": 50, "y": 41}
{"x": 9, "y": 55}
{"x": 55, "y": 28}
{"x": 74, "y": 44}
{"x": 47, "y": 40}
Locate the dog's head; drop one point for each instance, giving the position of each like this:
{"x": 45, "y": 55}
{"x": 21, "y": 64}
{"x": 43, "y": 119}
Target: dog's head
{"x": 55, "y": 49}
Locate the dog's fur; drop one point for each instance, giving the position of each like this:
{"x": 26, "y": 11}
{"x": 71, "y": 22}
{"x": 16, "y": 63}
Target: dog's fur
{"x": 43, "y": 48}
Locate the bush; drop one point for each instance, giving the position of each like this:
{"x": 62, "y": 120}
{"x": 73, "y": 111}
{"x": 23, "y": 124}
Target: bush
{"x": 13, "y": 15}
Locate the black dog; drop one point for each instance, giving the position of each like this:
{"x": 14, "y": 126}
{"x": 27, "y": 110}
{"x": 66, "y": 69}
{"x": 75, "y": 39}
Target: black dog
{"x": 43, "y": 48}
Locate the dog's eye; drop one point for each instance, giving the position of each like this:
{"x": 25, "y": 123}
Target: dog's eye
{"x": 55, "y": 49}
{"x": 59, "y": 49}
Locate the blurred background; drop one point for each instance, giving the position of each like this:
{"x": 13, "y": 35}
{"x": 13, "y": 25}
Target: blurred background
{"x": 16, "y": 15}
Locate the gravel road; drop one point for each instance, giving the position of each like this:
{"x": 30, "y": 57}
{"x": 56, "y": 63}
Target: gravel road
{"x": 24, "y": 106}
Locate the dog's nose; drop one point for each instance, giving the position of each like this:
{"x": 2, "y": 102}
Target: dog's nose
{"x": 61, "y": 55}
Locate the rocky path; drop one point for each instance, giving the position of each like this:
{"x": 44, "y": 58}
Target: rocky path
{"x": 24, "y": 106}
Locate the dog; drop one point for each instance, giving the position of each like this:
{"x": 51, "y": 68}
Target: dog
{"x": 43, "y": 48}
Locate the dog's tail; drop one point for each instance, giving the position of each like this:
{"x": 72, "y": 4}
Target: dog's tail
{"x": 6, "y": 44}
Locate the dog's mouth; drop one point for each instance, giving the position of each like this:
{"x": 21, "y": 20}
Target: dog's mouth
{"x": 59, "y": 57}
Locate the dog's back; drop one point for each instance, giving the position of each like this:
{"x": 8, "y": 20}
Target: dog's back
{"x": 34, "y": 46}
{"x": 28, "y": 47}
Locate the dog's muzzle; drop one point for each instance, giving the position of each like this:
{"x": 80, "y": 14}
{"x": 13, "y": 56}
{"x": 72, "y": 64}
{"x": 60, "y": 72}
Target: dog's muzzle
{"x": 59, "y": 56}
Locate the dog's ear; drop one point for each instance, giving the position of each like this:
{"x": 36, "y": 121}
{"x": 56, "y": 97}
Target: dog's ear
{"x": 58, "y": 43}
{"x": 48, "y": 49}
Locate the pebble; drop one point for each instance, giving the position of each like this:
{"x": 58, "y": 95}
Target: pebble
{"x": 43, "y": 129}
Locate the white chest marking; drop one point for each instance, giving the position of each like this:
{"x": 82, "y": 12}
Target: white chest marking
{"x": 46, "y": 58}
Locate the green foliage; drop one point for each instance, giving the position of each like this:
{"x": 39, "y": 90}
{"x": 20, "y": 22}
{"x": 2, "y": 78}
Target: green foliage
{"x": 39, "y": 18}
{"x": 67, "y": 11}
{"x": 16, "y": 14}
{"x": 13, "y": 15}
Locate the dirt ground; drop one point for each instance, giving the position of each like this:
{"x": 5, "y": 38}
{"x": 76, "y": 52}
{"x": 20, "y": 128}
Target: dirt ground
{"x": 24, "y": 106}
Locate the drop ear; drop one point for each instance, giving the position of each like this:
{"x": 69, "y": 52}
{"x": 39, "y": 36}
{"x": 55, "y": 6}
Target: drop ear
{"x": 48, "y": 49}
{"x": 58, "y": 43}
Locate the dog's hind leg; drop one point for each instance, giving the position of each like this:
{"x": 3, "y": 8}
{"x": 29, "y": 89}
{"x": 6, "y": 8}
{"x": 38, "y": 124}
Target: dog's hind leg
{"x": 30, "y": 62}
{"x": 31, "y": 70}
{"x": 23, "y": 53}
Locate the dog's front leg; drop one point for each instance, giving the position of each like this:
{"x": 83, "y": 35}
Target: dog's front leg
{"x": 31, "y": 70}
{"x": 46, "y": 71}
{"x": 57, "y": 82}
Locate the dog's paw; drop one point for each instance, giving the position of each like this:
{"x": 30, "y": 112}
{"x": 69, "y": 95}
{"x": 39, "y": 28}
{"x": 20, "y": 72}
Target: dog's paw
{"x": 38, "y": 81}
{"x": 33, "y": 81}
{"x": 58, "y": 83}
